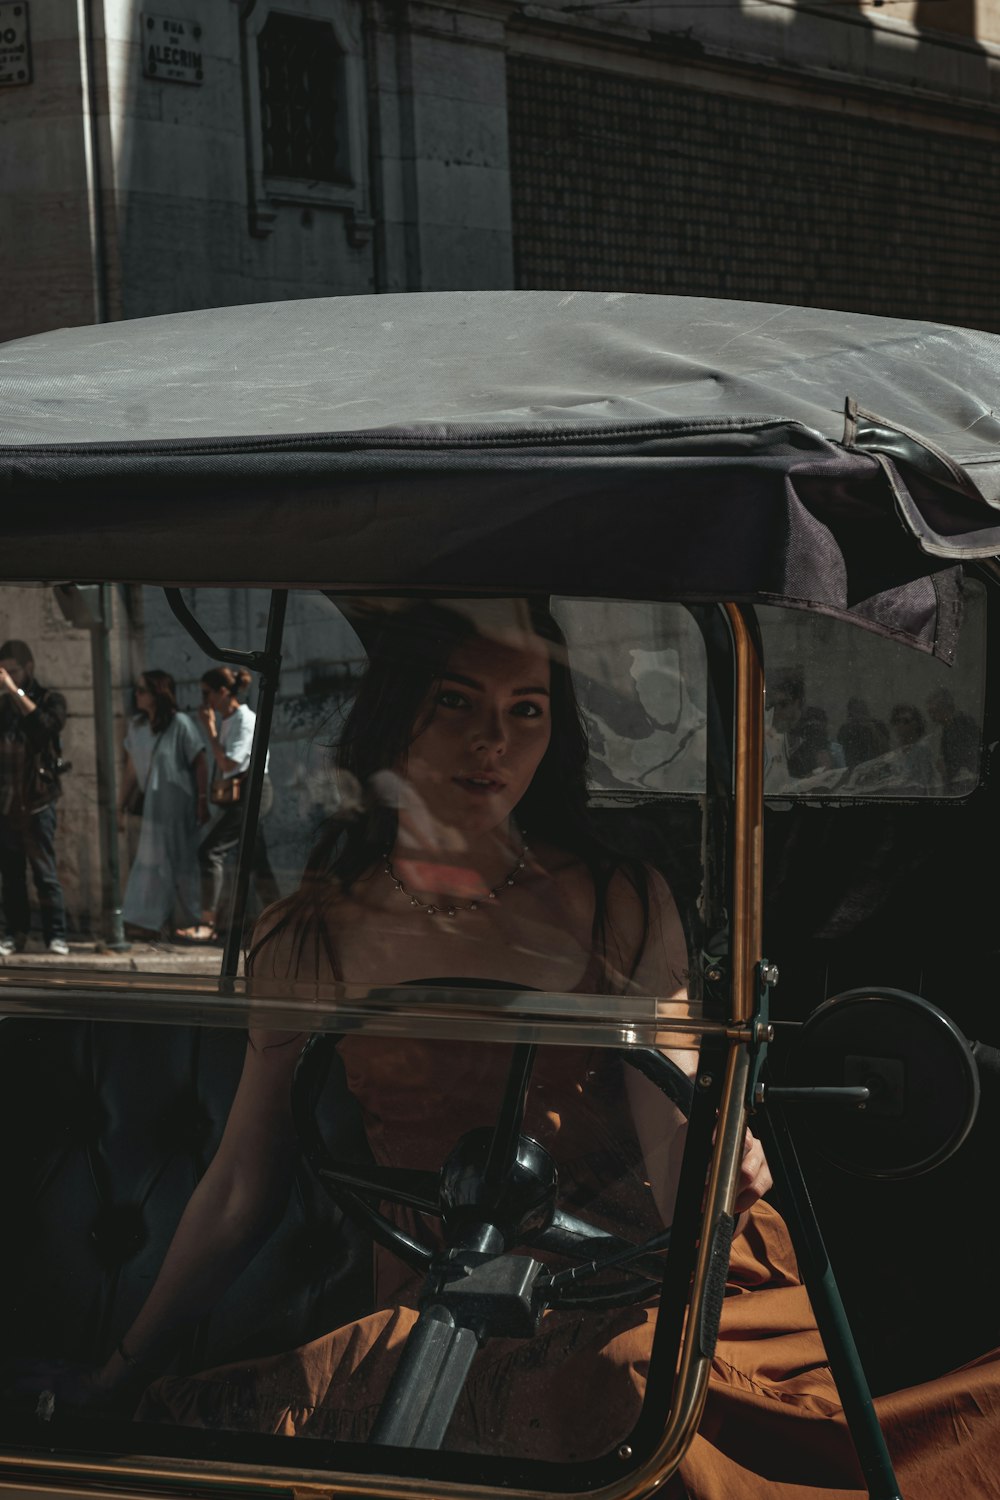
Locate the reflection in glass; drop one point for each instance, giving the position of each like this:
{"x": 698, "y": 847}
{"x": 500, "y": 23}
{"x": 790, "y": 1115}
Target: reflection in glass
{"x": 914, "y": 732}
{"x": 32, "y": 721}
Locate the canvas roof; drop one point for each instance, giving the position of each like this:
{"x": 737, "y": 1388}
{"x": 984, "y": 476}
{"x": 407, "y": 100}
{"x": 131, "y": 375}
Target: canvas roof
{"x": 562, "y": 442}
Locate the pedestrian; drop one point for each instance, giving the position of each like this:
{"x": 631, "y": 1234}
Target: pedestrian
{"x": 913, "y": 763}
{"x": 862, "y": 736}
{"x": 960, "y": 743}
{"x": 32, "y": 719}
{"x": 166, "y": 780}
{"x": 229, "y": 726}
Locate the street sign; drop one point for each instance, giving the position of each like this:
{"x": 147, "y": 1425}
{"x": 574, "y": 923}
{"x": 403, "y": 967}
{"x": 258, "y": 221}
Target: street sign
{"x": 15, "y": 44}
{"x": 171, "y": 49}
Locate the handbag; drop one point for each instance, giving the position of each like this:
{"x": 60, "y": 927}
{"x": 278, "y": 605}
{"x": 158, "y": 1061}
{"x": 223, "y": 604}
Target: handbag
{"x": 228, "y": 789}
{"x": 135, "y": 801}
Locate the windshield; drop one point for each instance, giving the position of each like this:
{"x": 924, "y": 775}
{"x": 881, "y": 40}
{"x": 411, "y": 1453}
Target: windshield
{"x": 452, "y": 989}
{"x": 588, "y": 725}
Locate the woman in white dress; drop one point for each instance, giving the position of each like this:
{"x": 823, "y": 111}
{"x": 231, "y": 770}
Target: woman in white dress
{"x": 166, "y": 763}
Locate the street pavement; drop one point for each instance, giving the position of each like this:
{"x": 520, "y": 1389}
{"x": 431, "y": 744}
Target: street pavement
{"x": 140, "y": 956}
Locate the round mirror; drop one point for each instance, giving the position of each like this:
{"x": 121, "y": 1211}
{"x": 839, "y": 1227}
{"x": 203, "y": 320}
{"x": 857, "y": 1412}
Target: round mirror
{"x": 918, "y": 1066}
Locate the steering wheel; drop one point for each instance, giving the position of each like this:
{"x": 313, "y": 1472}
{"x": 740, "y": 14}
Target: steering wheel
{"x": 497, "y": 1189}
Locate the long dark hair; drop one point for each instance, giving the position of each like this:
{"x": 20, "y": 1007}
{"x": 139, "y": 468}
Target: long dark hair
{"x": 164, "y": 693}
{"x": 408, "y": 655}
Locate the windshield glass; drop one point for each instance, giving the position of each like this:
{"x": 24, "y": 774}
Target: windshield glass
{"x": 429, "y": 766}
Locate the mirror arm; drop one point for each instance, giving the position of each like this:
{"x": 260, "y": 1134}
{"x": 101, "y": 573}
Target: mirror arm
{"x": 254, "y": 661}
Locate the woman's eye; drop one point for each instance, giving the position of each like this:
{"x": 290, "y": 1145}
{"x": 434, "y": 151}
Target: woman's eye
{"x": 449, "y": 698}
{"x": 528, "y": 710}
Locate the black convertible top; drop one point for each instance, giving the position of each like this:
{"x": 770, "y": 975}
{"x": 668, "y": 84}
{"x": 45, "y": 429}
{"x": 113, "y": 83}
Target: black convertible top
{"x": 579, "y": 443}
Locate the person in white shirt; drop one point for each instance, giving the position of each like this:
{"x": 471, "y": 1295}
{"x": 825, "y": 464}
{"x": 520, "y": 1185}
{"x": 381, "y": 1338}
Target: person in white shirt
{"x": 229, "y": 727}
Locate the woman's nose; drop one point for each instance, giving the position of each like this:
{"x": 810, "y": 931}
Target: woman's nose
{"x": 489, "y": 732}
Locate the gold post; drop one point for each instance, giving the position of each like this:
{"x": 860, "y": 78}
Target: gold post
{"x": 748, "y": 817}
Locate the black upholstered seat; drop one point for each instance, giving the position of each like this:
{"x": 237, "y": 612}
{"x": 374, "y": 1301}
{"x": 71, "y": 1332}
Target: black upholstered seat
{"x": 106, "y": 1128}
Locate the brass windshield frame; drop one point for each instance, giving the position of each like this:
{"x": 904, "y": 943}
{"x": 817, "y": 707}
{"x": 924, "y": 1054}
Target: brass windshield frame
{"x": 56, "y": 1477}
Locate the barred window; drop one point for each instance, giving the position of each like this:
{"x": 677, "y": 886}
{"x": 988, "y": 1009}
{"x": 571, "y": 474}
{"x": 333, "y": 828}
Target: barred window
{"x": 301, "y": 68}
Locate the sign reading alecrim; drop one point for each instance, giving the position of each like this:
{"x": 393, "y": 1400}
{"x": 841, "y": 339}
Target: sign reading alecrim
{"x": 171, "y": 49}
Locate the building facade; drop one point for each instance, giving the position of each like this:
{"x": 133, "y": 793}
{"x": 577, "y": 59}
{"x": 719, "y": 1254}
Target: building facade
{"x": 193, "y": 153}
{"x": 231, "y": 151}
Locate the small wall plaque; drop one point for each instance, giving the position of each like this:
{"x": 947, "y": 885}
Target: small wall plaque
{"x": 15, "y": 44}
{"x": 171, "y": 49}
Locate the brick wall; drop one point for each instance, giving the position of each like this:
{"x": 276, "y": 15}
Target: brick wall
{"x": 625, "y": 183}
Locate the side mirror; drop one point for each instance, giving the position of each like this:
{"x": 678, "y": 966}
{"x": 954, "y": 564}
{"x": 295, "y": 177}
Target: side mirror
{"x": 919, "y": 1069}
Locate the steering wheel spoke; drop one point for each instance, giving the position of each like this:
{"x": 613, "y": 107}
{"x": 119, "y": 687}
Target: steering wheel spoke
{"x": 407, "y": 1186}
{"x": 581, "y": 1241}
{"x": 496, "y": 1178}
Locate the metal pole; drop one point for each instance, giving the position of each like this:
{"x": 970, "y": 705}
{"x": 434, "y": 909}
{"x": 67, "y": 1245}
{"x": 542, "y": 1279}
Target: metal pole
{"x": 255, "y": 782}
{"x": 107, "y": 795}
{"x": 828, "y": 1306}
{"x": 428, "y": 1383}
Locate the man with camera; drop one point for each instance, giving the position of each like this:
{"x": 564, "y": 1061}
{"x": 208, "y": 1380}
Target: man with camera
{"x": 31, "y": 721}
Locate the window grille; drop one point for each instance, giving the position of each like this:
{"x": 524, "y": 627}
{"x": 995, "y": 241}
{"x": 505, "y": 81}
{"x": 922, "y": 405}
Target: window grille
{"x": 300, "y": 66}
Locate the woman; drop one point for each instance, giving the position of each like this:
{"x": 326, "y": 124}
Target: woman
{"x": 165, "y": 762}
{"x": 228, "y": 725}
{"x": 476, "y": 859}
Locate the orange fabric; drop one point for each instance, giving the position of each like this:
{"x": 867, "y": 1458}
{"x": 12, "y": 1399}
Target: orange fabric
{"x": 772, "y": 1428}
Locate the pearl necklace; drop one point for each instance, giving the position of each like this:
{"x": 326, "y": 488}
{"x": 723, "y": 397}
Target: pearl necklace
{"x": 432, "y": 910}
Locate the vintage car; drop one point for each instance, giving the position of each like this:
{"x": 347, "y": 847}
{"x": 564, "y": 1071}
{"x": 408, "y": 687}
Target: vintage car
{"x": 768, "y": 537}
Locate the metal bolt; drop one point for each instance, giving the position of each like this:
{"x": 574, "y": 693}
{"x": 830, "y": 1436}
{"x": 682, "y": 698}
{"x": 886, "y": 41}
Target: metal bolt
{"x": 705, "y": 1081}
{"x": 714, "y": 974}
{"x": 764, "y": 1032}
{"x": 625, "y": 1451}
{"x": 759, "y": 1094}
{"x": 769, "y": 973}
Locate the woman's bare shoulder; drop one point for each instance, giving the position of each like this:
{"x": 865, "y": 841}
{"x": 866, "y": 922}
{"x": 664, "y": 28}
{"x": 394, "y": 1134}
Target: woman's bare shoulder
{"x": 290, "y": 952}
{"x": 648, "y": 931}
{"x": 640, "y": 892}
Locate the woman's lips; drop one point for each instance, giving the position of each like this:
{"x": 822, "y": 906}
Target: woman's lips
{"x": 480, "y": 786}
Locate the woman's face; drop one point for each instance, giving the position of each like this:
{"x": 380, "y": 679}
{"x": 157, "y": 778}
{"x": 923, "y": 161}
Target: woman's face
{"x": 213, "y": 698}
{"x": 490, "y": 727}
{"x": 144, "y": 701}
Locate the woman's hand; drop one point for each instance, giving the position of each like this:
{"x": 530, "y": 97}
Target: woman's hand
{"x": 207, "y": 717}
{"x": 755, "y": 1175}
{"x": 54, "y": 1384}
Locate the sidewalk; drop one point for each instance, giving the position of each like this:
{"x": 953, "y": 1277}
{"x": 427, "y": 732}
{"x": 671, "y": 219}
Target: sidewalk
{"x": 140, "y": 957}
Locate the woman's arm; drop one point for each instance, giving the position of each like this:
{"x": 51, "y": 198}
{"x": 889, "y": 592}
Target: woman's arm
{"x": 662, "y": 971}
{"x": 199, "y": 766}
{"x": 129, "y": 783}
{"x": 227, "y": 1217}
{"x": 211, "y": 727}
